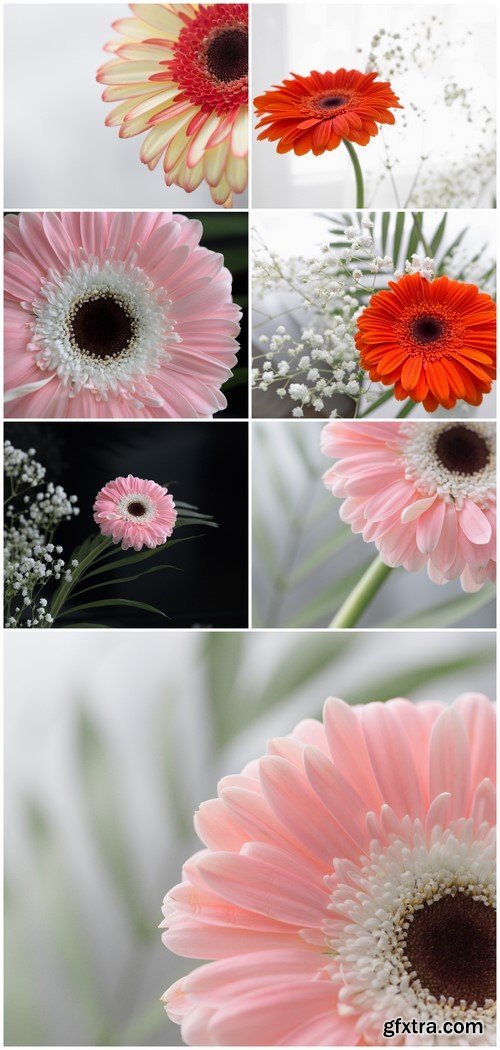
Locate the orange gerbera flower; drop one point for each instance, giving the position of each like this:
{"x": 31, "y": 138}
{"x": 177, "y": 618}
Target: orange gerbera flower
{"x": 317, "y": 112}
{"x": 434, "y": 340}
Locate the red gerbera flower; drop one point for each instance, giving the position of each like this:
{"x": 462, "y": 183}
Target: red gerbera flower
{"x": 318, "y": 111}
{"x": 434, "y": 340}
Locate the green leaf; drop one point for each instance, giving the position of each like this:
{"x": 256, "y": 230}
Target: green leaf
{"x": 405, "y": 682}
{"x": 448, "y": 613}
{"x": 299, "y": 666}
{"x": 414, "y": 238}
{"x": 328, "y": 601}
{"x": 61, "y": 916}
{"x": 107, "y": 602}
{"x": 386, "y": 218}
{"x": 223, "y": 656}
{"x": 439, "y": 234}
{"x": 124, "y": 579}
{"x": 238, "y": 378}
{"x": 137, "y": 556}
{"x": 105, "y": 808}
{"x": 398, "y": 236}
{"x": 319, "y": 556}
{"x": 454, "y": 244}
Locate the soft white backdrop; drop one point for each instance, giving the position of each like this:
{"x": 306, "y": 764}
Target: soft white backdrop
{"x": 299, "y": 37}
{"x": 58, "y": 152}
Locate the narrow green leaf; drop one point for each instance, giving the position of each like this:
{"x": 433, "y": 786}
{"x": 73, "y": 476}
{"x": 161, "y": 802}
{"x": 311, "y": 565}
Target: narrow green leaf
{"x": 300, "y": 665}
{"x": 439, "y": 234}
{"x": 398, "y": 236}
{"x": 223, "y": 656}
{"x": 328, "y": 601}
{"x": 454, "y": 244}
{"x": 138, "y": 556}
{"x": 448, "y": 613}
{"x": 414, "y": 238}
{"x": 319, "y": 556}
{"x": 104, "y": 807}
{"x": 107, "y": 602}
{"x": 405, "y": 682}
{"x": 386, "y": 218}
{"x": 124, "y": 579}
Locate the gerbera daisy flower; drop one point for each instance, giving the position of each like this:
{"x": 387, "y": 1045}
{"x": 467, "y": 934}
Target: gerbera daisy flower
{"x": 113, "y": 314}
{"x": 135, "y": 512}
{"x": 180, "y": 73}
{"x": 433, "y": 340}
{"x": 347, "y": 878}
{"x": 318, "y": 111}
{"x": 424, "y": 493}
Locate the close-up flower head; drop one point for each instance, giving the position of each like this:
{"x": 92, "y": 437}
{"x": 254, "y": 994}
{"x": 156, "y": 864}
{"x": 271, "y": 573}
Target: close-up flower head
{"x": 115, "y": 315}
{"x": 135, "y": 512}
{"x": 180, "y": 75}
{"x": 317, "y": 112}
{"x": 346, "y": 878}
{"x": 433, "y": 340}
{"x": 424, "y": 493}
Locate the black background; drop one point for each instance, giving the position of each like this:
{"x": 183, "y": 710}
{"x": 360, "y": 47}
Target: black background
{"x": 202, "y": 463}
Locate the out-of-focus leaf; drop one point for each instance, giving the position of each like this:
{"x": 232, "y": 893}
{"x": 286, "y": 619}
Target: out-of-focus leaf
{"x": 448, "y": 613}
{"x": 328, "y": 601}
{"x": 223, "y": 656}
{"x": 301, "y": 664}
{"x": 398, "y": 236}
{"x": 320, "y": 555}
{"x": 62, "y": 920}
{"x": 405, "y": 682}
{"x": 238, "y": 378}
{"x": 105, "y": 817}
{"x": 275, "y": 474}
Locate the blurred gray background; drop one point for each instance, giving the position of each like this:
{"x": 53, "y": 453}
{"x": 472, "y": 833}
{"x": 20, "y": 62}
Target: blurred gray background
{"x": 111, "y": 744}
{"x": 305, "y": 561}
{"x": 58, "y": 152}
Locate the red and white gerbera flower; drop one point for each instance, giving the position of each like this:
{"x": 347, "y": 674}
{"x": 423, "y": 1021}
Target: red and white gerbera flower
{"x": 180, "y": 73}
{"x": 115, "y": 314}
{"x": 347, "y": 878}
{"x": 135, "y": 512}
{"x": 424, "y": 493}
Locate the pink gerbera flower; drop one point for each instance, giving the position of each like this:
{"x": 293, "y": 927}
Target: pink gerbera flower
{"x": 424, "y": 493}
{"x": 135, "y": 512}
{"x": 347, "y": 879}
{"x": 111, "y": 314}
{"x": 180, "y": 73}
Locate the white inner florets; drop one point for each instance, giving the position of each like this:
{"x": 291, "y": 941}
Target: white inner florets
{"x": 127, "y": 501}
{"x": 424, "y": 467}
{"x": 53, "y": 341}
{"x": 373, "y": 908}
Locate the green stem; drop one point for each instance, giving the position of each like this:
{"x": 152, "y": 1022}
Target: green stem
{"x": 406, "y": 409}
{"x": 360, "y": 192}
{"x": 63, "y": 592}
{"x": 363, "y": 593}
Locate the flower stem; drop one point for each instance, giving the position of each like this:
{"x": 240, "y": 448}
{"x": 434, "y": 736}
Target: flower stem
{"x": 363, "y": 593}
{"x": 406, "y": 409}
{"x": 360, "y": 192}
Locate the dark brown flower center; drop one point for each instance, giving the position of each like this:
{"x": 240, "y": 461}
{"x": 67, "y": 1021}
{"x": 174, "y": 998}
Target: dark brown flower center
{"x": 101, "y": 327}
{"x": 451, "y": 947}
{"x": 136, "y": 508}
{"x": 332, "y": 102}
{"x": 427, "y": 329}
{"x": 227, "y": 55}
{"x": 462, "y": 450}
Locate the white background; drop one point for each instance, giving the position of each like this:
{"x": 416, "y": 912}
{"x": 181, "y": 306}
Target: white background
{"x": 58, "y": 152}
{"x": 300, "y": 37}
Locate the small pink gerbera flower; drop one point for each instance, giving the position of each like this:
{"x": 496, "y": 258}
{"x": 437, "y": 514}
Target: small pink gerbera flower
{"x": 424, "y": 493}
{"x": 180, "y": 73}
{"x": 115, "y": 315}
{"x": 347, "y": 879}
{"x": 135, "y": 512}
